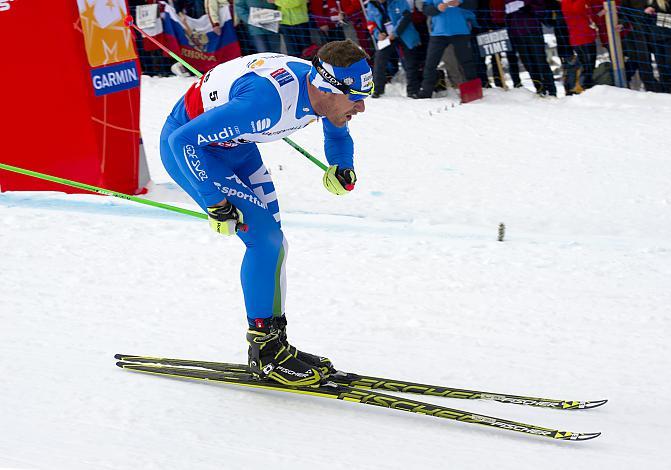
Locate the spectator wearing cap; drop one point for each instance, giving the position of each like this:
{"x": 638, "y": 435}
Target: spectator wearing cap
{"x": 392, "y": 19}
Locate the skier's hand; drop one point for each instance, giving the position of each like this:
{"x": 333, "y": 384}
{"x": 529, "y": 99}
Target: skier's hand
{"x": 226, "y": 219}
{"x": 339, "y": 181}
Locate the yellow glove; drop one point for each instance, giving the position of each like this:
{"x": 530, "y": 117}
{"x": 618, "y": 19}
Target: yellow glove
{"x": 339, "y": 181}
{"x": 226, "y": 220}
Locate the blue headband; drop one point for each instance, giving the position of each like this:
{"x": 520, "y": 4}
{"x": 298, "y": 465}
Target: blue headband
{"x": 355, "y": 80}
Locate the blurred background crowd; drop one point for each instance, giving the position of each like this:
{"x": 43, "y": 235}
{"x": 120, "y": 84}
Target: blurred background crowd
{"x": 432, "y": 45}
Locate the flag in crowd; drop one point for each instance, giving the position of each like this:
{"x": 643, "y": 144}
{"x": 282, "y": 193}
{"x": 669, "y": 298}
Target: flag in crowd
{"x": 194, "y": 39}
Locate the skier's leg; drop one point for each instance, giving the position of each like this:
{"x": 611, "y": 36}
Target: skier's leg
{"x": 262, "y": 273}
{"x": 170, "y": 162}
{"x": 264, "y": 283}
{"x": 243, "y": 181}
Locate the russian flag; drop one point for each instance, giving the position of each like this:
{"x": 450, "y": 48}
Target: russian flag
{"x": 194, "y": 40}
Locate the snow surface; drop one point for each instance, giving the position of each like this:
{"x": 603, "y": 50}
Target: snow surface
{"x": 403, "y": 278}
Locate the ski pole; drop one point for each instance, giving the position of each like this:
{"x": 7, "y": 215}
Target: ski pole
{"x": 128, "y": 21}
{"x": 95, "y": 189}
{"x": 305, "y": 153}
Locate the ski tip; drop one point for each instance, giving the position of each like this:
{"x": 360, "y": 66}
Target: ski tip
{"x": 124, "y": 357}
{"x": 575, "y": 436}
{"x": 132, "y": 357}
{"x": 582, "y": 405}
{"x": 595, "y": 403}
{"x": 586, "y": 436}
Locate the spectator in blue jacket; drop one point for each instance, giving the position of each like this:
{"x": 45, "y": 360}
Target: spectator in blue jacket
{"x": 450, "y": 24}
{"x": 392, "y": 19}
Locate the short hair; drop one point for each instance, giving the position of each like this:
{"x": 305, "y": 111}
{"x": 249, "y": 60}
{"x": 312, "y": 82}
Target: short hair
{"x": 342, "y": 53}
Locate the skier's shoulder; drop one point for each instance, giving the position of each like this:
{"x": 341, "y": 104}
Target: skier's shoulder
{"x": 259, "y": 70}
{"x": 278, "y": 67}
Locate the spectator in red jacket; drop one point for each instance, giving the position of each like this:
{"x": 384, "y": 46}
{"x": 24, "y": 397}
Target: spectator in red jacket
{"x": 580, "y": 17}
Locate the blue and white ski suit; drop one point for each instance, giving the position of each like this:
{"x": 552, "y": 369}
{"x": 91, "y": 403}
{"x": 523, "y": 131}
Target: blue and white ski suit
{"x": 208, "y": 146}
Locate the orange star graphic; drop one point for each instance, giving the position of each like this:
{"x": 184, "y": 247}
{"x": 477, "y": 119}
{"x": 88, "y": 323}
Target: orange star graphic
{"x": 106, "y": 45}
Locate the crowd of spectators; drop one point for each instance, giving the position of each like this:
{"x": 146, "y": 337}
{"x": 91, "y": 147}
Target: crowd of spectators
{"x": 418, "y": 35}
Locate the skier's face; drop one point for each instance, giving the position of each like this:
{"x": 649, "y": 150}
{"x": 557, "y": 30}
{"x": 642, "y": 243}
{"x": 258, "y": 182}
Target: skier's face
{"x": 341, "y": 109}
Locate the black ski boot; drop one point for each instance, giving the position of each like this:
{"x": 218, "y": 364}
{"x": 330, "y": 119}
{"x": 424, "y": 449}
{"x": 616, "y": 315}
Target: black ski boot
{"x": 270, "y": 358}
{"x": 324, "y": 364}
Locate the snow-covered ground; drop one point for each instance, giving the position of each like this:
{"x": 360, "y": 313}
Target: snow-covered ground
{"x": 402, "y": 278}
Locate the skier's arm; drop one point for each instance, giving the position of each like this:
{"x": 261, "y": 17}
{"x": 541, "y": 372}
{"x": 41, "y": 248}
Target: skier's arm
{"x": 338, "y": 145}
{"x": 254, "y": 98}
{"x": 340, "y": 178}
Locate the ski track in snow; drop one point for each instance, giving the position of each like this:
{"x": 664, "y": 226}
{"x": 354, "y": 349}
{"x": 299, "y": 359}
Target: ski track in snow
{"x": 403, "y": 278}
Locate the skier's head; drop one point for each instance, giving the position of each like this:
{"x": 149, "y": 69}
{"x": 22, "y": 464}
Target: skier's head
{"x": 341, "y": 79}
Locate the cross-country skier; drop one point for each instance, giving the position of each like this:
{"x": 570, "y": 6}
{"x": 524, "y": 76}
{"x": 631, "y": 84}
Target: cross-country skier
{"x": 208, "y": 146}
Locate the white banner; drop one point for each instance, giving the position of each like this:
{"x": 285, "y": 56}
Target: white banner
{"x": 265, "y": 18}
{"x": 146, "y": 16}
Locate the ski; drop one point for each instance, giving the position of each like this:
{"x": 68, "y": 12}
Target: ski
{"x": 378, "y": 383}
{"x": 337, "y": 391}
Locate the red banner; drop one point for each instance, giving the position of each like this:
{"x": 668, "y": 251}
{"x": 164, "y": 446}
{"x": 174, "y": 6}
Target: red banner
{"x": 52, "y": 121}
